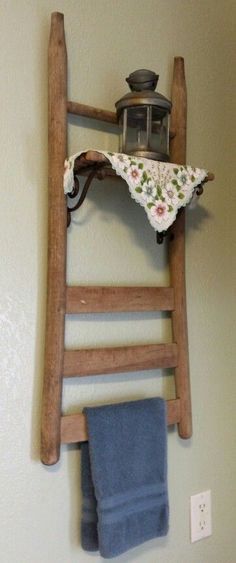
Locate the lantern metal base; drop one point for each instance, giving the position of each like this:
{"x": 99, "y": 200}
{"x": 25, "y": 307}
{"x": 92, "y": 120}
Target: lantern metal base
{"x": 151, "y": 155}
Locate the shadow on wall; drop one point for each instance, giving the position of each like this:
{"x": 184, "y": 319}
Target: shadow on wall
{"x": 120, "y": 204}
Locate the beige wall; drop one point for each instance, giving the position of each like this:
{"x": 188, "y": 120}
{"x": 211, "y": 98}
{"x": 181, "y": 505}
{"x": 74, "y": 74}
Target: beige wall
{"x": 110, "y": 241}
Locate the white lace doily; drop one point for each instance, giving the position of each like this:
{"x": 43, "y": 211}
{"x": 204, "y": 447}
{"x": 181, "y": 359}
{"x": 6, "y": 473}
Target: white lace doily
{"x": 161, "y": 188}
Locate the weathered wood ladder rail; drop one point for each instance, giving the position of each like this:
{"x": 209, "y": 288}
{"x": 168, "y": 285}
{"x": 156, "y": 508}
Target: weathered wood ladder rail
{"x": 59, "y": 363}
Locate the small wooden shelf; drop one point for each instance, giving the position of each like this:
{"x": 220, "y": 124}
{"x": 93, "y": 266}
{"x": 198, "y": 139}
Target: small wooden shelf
{"x": 87, "y": 160}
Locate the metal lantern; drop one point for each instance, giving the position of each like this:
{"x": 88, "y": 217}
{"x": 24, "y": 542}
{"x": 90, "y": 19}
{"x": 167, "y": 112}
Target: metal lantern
{"x": 144, "y": 118}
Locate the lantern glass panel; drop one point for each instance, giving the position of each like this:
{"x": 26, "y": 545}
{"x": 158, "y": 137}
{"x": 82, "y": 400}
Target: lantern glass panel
{"x": 136, "y": 138}
{"x": 159, "y": 133}
{"x": 145, "y": 132}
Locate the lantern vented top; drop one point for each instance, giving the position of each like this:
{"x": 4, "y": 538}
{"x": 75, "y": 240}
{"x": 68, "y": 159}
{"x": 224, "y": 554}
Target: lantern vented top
{"x": 142, "y": 79}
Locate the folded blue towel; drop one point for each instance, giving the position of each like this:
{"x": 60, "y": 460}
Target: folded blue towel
{"x": 124, "y": 476}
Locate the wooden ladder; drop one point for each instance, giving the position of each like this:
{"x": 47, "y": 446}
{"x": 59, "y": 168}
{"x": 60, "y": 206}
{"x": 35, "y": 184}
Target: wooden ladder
{"x": 62, "y": 300}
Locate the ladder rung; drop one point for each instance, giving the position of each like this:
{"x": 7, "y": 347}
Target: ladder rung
{"x": 97, "y": 361}
{"x": 97, "y": 299}
{"x": 92, "y": 112}
{"x": 74, "y": 427}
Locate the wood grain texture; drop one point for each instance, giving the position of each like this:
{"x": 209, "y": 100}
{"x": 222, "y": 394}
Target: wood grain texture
{"x": 74, "y": 426}
{"x": 102, "y": 361}
{"x": 177, "y": 254}
{"x": 54, "y": 346}
{"x": 95, "y": 299}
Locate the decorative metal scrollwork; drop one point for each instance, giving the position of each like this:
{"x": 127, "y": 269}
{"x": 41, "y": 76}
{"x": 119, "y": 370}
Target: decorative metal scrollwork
{"x": 83, "y": 194}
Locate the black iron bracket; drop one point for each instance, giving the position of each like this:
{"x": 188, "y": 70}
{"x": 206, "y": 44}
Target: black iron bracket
{"x": 95, "y": 172}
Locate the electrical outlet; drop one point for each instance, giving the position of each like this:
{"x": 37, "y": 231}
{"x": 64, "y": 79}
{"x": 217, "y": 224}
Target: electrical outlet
{"x": 200, "y": 516}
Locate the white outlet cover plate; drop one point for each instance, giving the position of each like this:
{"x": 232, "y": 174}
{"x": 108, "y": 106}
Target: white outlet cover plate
{"x": 200, "y": 513}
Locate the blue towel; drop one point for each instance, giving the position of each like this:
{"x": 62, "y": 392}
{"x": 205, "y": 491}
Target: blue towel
{"x": 124, "y": 476}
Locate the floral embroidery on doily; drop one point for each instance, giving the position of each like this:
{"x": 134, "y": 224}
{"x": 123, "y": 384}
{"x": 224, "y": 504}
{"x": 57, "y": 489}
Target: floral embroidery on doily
{"x": 161, "y": 188}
